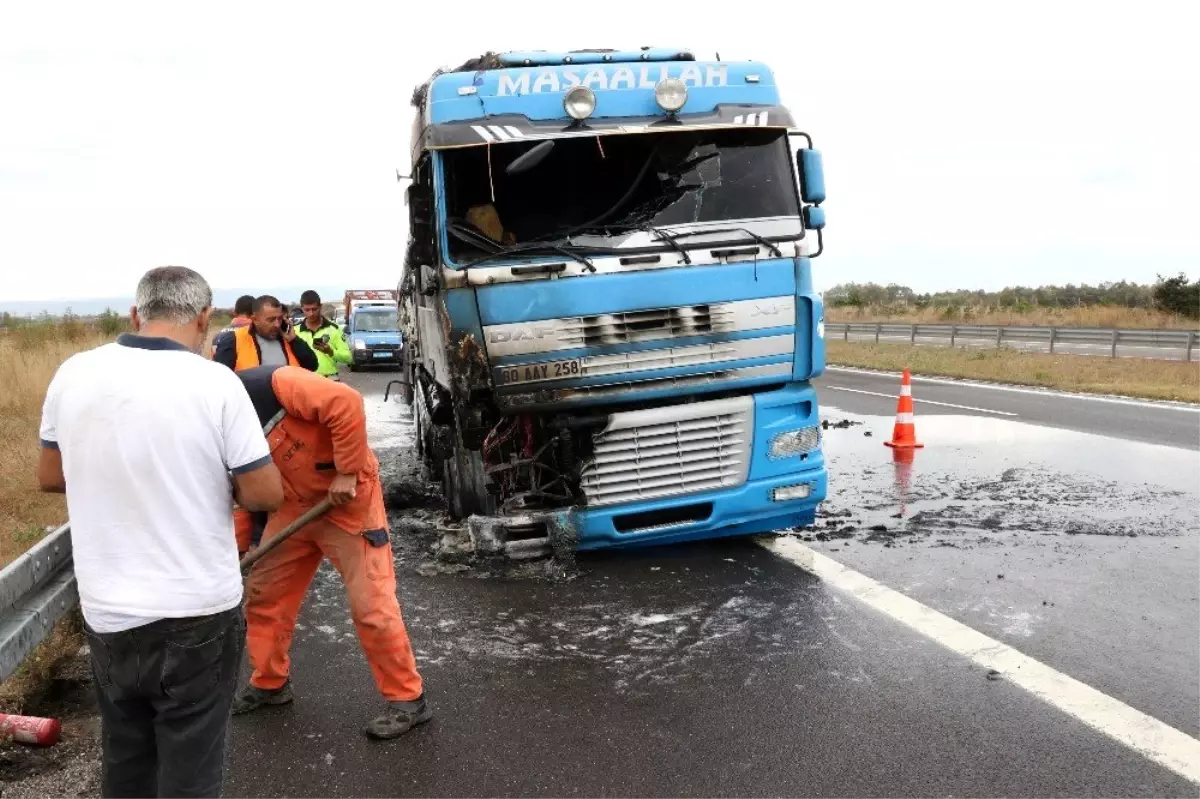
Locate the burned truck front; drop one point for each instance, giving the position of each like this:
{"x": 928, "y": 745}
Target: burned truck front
{"x": 608, "y": 299}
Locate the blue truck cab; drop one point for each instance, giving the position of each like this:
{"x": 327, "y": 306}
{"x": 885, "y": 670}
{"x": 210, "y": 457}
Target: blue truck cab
{"x": 608, "y": 299}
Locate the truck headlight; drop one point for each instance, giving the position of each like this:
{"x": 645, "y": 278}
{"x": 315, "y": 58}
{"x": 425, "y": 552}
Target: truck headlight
{"x": 794, "y": 442}
{"x": 359, "y": 344}
{"x": 670, "y": 94}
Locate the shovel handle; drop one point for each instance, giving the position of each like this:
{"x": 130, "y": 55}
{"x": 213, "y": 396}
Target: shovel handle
{"x": 312, "y": 513}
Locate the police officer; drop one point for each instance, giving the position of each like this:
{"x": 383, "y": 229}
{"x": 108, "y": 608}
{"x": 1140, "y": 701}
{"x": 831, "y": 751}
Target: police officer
{"x": 323, "y": 336}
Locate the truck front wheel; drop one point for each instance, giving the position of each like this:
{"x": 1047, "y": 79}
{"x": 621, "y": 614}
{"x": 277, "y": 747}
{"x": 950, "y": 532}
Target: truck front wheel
{"x": 463, "y": 482}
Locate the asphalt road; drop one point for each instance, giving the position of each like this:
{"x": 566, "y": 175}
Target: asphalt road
{"x": 1071, "y": 348}
{"x": 723, "y": 669}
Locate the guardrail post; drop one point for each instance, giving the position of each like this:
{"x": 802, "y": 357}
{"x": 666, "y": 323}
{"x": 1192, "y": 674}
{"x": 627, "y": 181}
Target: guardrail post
{"x": 912, "y": 336}
{"x": 1191, "y": 344}
{"x": 953, "y": 334}
{"x": 1116, "y": 333}
{"x": 878, "y": 329}
{"x": 846, "y": 332}
{"x": 1053, "y": 333}
{"x": 999, "y": 336}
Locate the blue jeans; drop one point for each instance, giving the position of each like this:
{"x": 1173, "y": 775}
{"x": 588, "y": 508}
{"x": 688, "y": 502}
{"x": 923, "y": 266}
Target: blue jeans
{"x": 165, "y": 690}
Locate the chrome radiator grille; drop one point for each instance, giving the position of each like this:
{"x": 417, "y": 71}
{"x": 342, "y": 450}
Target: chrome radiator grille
{"x": 663, "y": 452}
{"x": 635, "y": 326}
{"x": 629, "y": 327}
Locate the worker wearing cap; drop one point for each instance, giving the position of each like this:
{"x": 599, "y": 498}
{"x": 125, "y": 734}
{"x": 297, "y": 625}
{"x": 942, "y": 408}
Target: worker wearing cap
{"x": 317, "y": 431}
{"x": 323, "y": 336}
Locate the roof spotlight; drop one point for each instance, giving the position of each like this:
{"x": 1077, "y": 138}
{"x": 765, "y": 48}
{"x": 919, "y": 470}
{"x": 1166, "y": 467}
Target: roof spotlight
{"x": 670, "y": 94}
{"x": 579, "y": 102}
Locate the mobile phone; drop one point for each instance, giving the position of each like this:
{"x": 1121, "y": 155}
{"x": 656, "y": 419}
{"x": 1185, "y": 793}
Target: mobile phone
{"x": 285, "y": 325}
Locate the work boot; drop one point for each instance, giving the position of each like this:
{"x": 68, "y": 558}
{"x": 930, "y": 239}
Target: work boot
{"x": 251, "y": 698}
{"x": 399, "y": 718}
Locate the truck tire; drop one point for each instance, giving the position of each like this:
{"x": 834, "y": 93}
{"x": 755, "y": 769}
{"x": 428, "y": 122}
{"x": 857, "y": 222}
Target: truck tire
{"x": 354, "y": 367}
{"x": 463, "y": 482}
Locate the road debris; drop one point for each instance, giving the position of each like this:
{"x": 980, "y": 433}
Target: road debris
{"x": 840, "y": 424}
{"x": 965, "y": 496}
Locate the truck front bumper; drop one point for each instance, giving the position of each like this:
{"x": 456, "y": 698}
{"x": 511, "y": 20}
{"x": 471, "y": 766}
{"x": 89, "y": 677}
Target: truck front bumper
{"x": 748, "y": 509}
{"x": 777, "y": 494}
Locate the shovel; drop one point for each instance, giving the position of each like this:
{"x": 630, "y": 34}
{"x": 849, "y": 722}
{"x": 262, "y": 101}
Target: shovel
{"x": 256, "y": 555}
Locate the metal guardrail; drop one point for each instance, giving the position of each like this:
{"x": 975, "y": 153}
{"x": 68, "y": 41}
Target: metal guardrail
{"x": 1108, "y": 339}
{"x": 36, "y": 591}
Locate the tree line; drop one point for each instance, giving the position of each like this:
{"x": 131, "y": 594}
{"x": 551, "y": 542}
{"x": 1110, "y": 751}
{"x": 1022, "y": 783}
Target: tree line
{"x": 1176, "y": 295}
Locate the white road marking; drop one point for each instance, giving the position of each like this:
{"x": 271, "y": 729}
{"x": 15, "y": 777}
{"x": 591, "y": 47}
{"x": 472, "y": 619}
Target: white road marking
{"x": 918, "y": 399}
{"x": 1163, "y": 405}
{"x": 1143, "y": 734}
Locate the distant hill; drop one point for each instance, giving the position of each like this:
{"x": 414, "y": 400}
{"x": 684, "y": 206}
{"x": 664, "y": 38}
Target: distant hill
{"x": 222, "y": 298}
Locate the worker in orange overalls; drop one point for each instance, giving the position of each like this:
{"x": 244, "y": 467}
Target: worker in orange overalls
{"x": 265, "y": 339}
{"x": 317, "y": 430}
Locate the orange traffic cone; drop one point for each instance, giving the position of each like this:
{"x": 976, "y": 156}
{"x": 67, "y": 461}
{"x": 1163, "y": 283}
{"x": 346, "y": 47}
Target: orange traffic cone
{"x": 904, "y": 435}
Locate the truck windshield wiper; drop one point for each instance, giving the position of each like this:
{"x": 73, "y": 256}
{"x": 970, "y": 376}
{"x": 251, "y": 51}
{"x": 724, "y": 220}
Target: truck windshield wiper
{"x": 770, "y": 245}
{"x": 467, "y": 234}
{"x": 574, "y": 252}
{"x": 660, "y": 234}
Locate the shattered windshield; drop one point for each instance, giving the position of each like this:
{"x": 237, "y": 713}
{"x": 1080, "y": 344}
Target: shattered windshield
{"x": 375, "y": 322}
{"x": 611, "y": 184}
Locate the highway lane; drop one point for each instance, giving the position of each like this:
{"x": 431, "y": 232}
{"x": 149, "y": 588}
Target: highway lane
{"x": 1060, "y": 347}
{"x": 721, "y": 669}
{"x": 1170, "y": 424}
{"x": 1078, "y": 549}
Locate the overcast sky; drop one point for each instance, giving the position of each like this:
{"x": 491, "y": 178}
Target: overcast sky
{"x": 965, "y": 146}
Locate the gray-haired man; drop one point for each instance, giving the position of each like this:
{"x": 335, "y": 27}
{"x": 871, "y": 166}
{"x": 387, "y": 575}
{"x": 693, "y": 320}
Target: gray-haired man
{"x": 151, "y": 444}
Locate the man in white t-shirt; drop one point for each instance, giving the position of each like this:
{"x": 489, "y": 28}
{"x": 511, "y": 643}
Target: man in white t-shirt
{"x": 152, "y": 443}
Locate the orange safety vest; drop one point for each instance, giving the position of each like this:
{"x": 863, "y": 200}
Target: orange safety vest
{"x": 247, "y": 350}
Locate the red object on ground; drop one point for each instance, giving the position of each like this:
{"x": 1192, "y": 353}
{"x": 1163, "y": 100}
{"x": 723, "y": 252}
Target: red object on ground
{"x": 30, "y": 729}
{"x": 904, "y": 434}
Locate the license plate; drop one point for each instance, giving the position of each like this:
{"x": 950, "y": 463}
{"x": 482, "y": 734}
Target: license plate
{"x": 383, "y": 355}
{"x": 533, "y": 372}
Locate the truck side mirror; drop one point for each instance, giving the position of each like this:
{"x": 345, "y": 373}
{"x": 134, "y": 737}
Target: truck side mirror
{"x": 812, "y": 176}
{"x": 419, "y": 205}
{"x": 420, "y": 232}
{"x": 814, "y": 217}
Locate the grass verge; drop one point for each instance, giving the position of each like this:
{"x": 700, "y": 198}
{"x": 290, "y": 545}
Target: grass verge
{"x": 24, "y": 688}
{"x": 26, "y": 367}
{"x": 28, "y": 360}
{"x": 1131, "y": 377}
